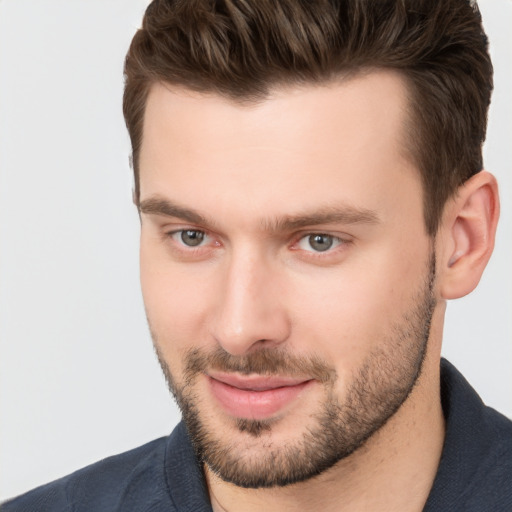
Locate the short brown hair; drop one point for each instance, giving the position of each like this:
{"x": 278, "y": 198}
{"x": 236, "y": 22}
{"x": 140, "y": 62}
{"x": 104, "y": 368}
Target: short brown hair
{"x": 242, "y": 48}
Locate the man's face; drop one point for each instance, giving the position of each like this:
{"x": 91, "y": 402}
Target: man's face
{"x": 285, "y": 269}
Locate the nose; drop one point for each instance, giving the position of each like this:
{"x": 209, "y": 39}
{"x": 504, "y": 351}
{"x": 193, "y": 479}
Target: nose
{"x": 251, "y": 310}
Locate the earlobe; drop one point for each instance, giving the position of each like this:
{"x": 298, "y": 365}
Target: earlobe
{"x": 468, "y": 229}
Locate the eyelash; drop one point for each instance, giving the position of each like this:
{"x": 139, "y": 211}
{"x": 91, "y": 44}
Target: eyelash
{"x": 338, "y": 242}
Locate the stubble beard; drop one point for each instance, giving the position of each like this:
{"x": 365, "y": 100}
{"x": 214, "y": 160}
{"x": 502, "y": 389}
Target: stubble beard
{"x": 379, "y": 388}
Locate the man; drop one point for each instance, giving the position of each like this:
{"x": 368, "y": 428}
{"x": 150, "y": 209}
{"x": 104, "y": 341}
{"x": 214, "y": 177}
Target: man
{"x": 310, "y": 186}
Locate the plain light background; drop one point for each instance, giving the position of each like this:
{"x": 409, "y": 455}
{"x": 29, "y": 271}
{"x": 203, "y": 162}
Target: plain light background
{"x": 78, "y": 378}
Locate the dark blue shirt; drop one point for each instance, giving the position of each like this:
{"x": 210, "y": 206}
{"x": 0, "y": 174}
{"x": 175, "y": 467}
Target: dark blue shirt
{"x": 474, "y": 475}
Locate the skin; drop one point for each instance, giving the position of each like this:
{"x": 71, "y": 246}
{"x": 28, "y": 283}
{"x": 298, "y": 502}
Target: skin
{"x": 255, "y": 283}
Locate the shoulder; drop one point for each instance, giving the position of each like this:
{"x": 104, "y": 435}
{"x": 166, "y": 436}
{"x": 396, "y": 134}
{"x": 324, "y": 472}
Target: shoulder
{"x": 103, "y": 485}
{"x": 491, "y": 481}
{"x": 475, "y": 472}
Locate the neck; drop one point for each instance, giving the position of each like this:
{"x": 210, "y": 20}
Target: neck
{"x": 394, "y": 470}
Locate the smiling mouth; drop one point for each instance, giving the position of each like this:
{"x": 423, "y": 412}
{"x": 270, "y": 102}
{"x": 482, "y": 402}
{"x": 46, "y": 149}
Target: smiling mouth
{"x": 255, "y": 396}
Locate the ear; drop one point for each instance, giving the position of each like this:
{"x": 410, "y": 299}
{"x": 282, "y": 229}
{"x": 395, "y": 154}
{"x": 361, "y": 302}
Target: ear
{"x": 468, "y": 231}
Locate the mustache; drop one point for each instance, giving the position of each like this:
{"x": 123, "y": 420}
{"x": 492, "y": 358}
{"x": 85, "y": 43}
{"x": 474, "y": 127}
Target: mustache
{"x": 268, "y": 362}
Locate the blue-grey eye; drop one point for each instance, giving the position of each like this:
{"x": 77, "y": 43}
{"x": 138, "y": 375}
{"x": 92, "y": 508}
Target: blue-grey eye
{"x": 320, "y": 242}
{"x": 192, "y": 237}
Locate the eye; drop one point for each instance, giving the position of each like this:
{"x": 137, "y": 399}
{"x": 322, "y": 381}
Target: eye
{"x": 190, "y": 237}
{"x": 318, "y": 242}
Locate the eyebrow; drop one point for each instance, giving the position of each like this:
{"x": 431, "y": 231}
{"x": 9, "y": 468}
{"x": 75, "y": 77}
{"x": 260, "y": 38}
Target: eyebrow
{"x": 325, "y": 215}
{"x": 160, "y": 206}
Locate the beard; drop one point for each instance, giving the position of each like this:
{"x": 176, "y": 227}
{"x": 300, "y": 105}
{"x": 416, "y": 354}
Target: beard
{"x": 377, "y": 390}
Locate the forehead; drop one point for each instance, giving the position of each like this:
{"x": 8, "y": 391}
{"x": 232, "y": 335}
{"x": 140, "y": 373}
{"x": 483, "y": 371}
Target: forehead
{"x": 378, "y": 97}
{"x": 333, "y": 141}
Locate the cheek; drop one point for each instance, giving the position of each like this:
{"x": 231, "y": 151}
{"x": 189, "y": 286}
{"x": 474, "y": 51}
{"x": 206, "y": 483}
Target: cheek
{"x": 175, "y": 300}
{"x": 349, "y": 313}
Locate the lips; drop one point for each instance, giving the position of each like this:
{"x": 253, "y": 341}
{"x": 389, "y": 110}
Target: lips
{"x": 254, "y": 396}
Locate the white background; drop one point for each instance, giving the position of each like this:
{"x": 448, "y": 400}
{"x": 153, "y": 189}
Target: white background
{"x": 78, "y": 378}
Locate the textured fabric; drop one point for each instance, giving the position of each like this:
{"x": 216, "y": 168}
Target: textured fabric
{"x": 160, "y": 476}
{"x": 475, "y": 473}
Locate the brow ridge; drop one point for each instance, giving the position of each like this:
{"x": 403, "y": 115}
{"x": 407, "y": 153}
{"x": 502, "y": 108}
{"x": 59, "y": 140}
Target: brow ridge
{"x": 329, "y": 215}
{"x": 326, "y": 215}
{"x": 159, "y": 206}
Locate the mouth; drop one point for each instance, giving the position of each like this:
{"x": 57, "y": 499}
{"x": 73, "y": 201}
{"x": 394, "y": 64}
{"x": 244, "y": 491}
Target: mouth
{"x": 255, "y": 397}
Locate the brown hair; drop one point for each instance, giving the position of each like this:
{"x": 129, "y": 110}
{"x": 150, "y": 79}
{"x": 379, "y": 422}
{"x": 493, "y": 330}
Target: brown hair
{"x": 242, "y": 48}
